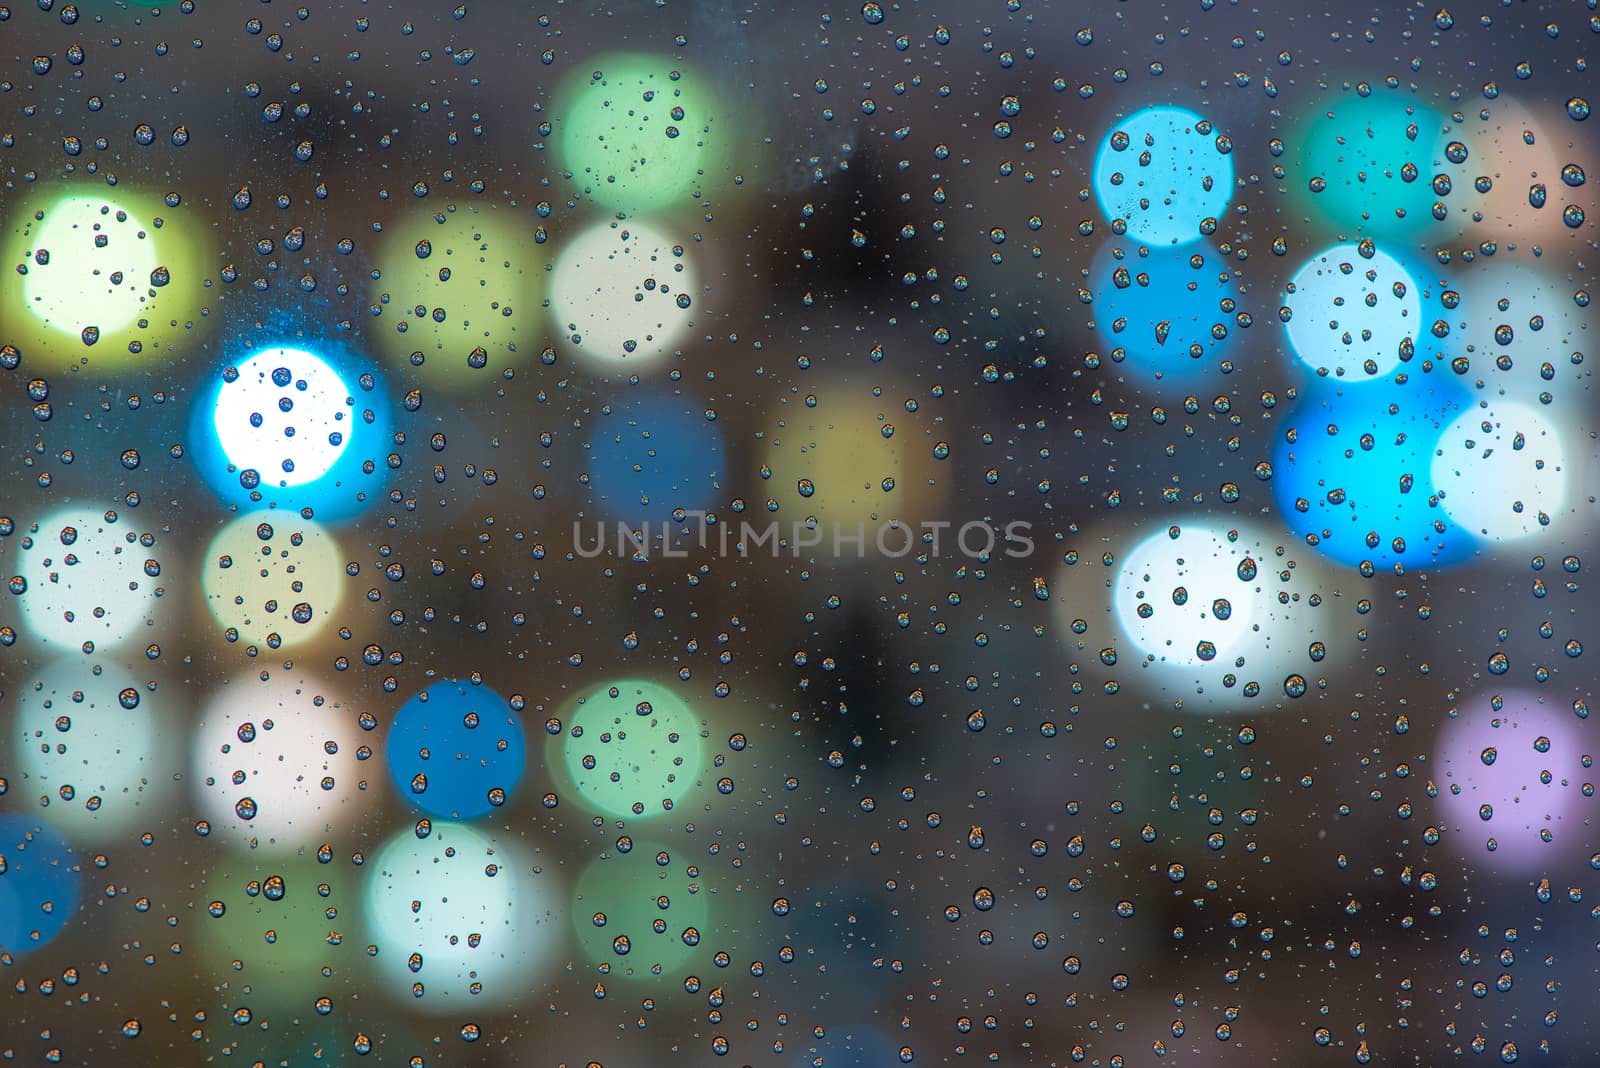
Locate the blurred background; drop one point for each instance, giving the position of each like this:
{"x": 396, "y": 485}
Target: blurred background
{"x": 338, "y": 724}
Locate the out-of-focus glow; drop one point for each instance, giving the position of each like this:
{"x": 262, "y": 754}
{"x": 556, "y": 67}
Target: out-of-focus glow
{"x": 1351, "y": 472}
{"x": 640, "y": 913}
{"x": 1189, "y": 599}
{"x": 340, "y": 423}
{"x": 1353, "y": 312}
{"x": 285, "y": 414}
{"x": 92, "y": 745}
{"x": 96, "y": 278}
{"x": 274, "y": 578}
{"x": 1224, "y": 616}
{"x": 90, "y": 578}
{"x": 652, "y": 454}
{"x": 640, "y": 132}
{"x": 1170, "y": 317}
{"x": 1501, "y": 472}
{"x": 274, "y": 763}
{"x": 1366, "y": 163}
{"x": 456, "y": 750}
{"x": 633, "y": 748}
{"x": 1522, "y": 331}
{"x": 1522, "y": 153}
{"x": 1510, "y": 771}
{"x": 853, "y": 460}
{"x": 284, "y": 919}
{"x": 459, "y": 919}
{"x": 623, "y": 294}
{"x": 39, "y": 877}
{"x": 1163, "y": 172}
{"x": 463, "y": 288}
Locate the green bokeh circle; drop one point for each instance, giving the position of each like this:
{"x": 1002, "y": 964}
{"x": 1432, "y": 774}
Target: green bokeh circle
{"x": 640, "y": 132}
{"x": 661, "y": 909}
{"x": 477, "y": 274}
{"x": 632, "y": 749}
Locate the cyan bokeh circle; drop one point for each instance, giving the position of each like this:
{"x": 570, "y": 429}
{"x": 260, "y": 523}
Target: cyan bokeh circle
{"x": 1163, "y": 171}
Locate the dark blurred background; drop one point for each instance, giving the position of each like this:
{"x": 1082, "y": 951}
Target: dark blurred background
{"x": 936, "y": 808}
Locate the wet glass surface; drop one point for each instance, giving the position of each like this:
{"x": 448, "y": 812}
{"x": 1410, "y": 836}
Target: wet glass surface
{"x": 684, "y": 533}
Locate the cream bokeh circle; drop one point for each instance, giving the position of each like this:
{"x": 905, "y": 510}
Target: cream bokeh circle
{"x": 273, "y": 763}
{"x": 624, "y": 294}
{"x": 271, "y": 577}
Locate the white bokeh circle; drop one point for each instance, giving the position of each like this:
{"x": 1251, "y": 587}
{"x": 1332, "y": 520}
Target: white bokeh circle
{"x": 1151, "y": 606}
{"x": 273, "y": 763}
{"x": 90, "y": 578}
{"x": 1351, "y": 309}
{"x": 1182, "y": 600}
{"x": 284, "y": 413}
{"x": 1501, "y": 472}
{"x": 624, "y": 293}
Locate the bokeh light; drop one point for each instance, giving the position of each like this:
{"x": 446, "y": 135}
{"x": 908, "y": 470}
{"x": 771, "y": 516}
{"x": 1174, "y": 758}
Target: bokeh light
{"x": 1523, "y": 148}
{"x": 1164, "y": 172}
{"x": 266, "y": 929}
{"x": 273, "y": 763}
{"x": 318, "y": 441}
{"x": 1509, "y": 772}
{"x": 640, "y": 913}
{"x": 271, "y": 577}
{"x": 460, "y": 920}
{"x": 856, "y": 459}
{"x": 653, "y": 453}
{"x": 632, "y": 748}
{"x": 1223, "y": 616}
{"x": 1521, "y": 330}
{"x": 1189, "y": 595}
{"x": 1352, "y": 472}
{"x": 96, "y": 277}
{"x": 1353, "y": 310}
{"x": 39, "y": 879}
{"x": 1167, "y": 313}
{"x": 623, "y": 294}
{"x": 92, "y": 746}
{"x": 640, "y": 132}
{"x": 456, "y": 750}
{"x": 87, "y": 577}
{"x": 1501, "y": 472}
{"x": 462, "y": 287}
{"x": 1364, "y": 161}
{"x": 1256, "y": 345}
{"x": 283, "y": 412}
